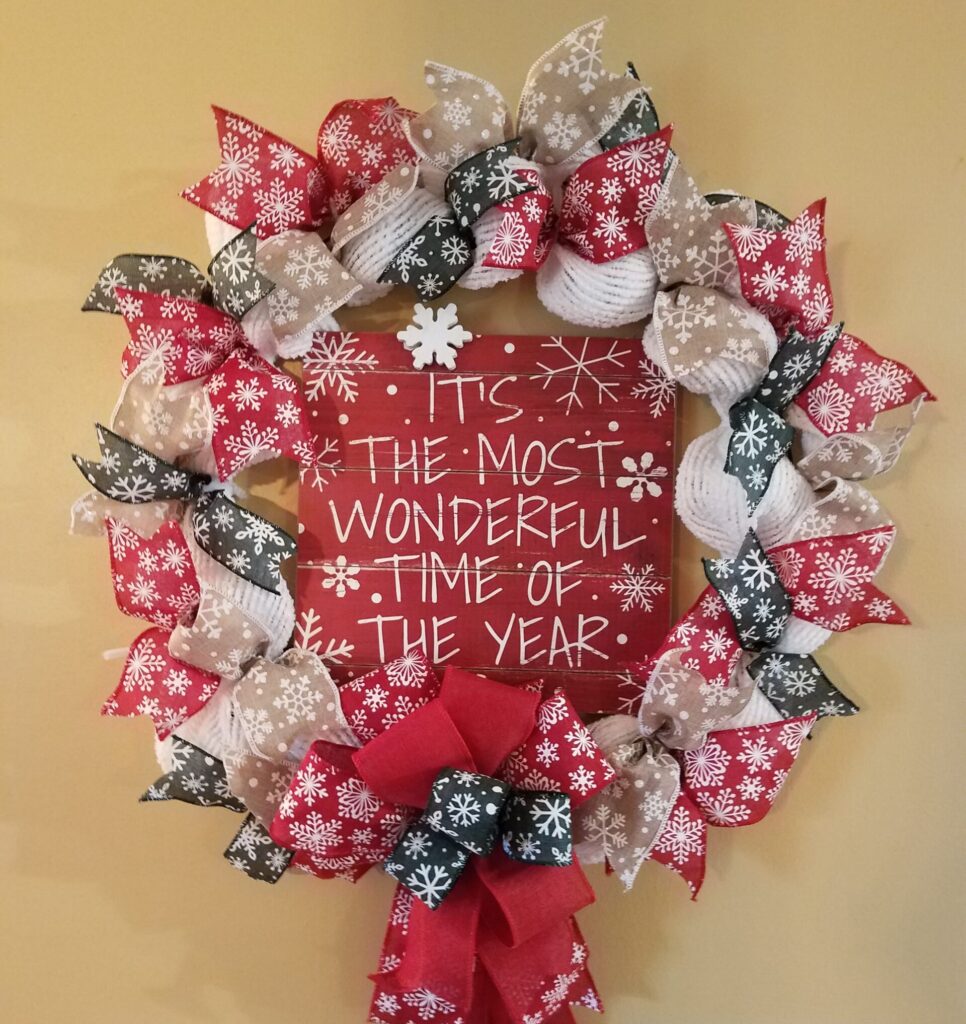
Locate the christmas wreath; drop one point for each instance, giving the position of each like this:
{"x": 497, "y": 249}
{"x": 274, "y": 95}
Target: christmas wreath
{"x": 483, "y": 798}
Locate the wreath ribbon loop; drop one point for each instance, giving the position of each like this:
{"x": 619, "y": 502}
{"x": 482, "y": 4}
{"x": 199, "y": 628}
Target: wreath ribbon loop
{"x": 130, "y": 474}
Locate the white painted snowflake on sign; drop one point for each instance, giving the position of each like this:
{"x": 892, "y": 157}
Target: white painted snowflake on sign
{"x": 434, "y": 336}
{"x": 637, "y": 587}
{"x": 308, "y": 636}
{"x": 318, "y": 464}
{"x": 656, "y": 389}
{"x": 641, "y": 476}
{"x": 334, "y": 362}
{"x": 582, "y": 374}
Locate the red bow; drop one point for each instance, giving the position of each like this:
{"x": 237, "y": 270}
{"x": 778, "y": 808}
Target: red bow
{"x": 605, "y": 203}
{"x": 504, "y": 941}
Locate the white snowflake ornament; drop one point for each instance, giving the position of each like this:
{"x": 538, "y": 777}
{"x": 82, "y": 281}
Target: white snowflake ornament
{"x": 434, "y": 336}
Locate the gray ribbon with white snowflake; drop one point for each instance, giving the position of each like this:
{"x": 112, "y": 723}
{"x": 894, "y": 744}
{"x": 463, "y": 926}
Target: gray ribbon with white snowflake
{"x": 255, "y": 852}
{"x": 133, "y": 475}
{"x": 483, "y": 181}
{"x": 434, "y": 259}
{"x": 760, "y": 438}
{"x": 466, "y": 813}
{"x": 796, "y": 362}
{"x": 796, "y": 686}
{"x": 752, "y": 592}
{"x": 638, "y": 118}
{"x": 162, "y": 275}
{"x": 199, "y": 778}
{"x": 196, "y": 777}
{"x": 236, "y": 283}
{"x": 250, "y": 546}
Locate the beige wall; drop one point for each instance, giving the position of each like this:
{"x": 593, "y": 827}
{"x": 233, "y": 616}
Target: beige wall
{"x": 845, "y": 905}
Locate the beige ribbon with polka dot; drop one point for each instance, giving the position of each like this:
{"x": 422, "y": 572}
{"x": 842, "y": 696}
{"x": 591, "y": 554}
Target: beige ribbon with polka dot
{"x": 284, "y": 705}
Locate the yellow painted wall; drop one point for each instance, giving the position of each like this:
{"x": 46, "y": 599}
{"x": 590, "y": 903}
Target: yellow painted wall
{"x": 845, "y": 906}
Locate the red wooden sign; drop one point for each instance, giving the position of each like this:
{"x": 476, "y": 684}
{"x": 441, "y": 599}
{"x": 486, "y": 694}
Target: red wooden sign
{"x": 512, "y": 516}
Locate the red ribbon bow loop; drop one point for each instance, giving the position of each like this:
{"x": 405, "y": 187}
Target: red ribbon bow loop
{"x": 607, "y": 199}
{"x": 261, "y": 178}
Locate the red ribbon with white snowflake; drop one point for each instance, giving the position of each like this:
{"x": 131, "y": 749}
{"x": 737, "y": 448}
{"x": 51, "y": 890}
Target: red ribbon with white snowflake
{"x": 261, "y": 179}
{"x": 604, "y": 205}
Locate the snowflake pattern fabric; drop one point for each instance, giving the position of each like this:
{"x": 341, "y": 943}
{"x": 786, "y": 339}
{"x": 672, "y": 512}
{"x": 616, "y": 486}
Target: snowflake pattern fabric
{"x": 373, "y": 205}
{"x": 236, "y": 282}
{"x": 221, "y": 637}
{"x": 261, "y": 179}
{"x": 434, "y": 259}
{"x": 621, "y": 823}
{"x": 466, "y": 807}
{"x": 360, "y": 142}
{"x": 560, "y": 754}
{"x": 607, "y": 199}
{"x": 796, "y": 686}
{"x": 687, "y": 237}
{"x": 170, "y": 422}
{"x": 253, "y": 851}
{"x": 830, "y": 579}
{"x": 309, "y": 283}
{"x": 853, "y": 456}
{"x": 483, "y": 181}
{"x": 468, "y": 111}
{"x": 427, "y": 862}
{"x": 379, "y": 699}
{"x": 259, "y": 782}
{"x": 172, "y": 276}
{"x": 154, "y": 577}
{"x": 569, "y": 100}
{"x": 248, "y": 545}
{"x": 760, "y": 439}
{"x": 797, "y": 361}
{"x": 195, "y": 777}
{"x": 690, "y": 685}
{"x": 735, "y": 777}
{"x": 464, "y": 815}
{"x": 527, "y": 229}
{"x": 639, "y": 118}
{"x": 129, "y": 474}
{"x": 258, "y": 412}
{"x": 537, "y": 827}
{"x": 854, "y": 385}
{"x": 695, "y": 327}
{"x": 338, "y": 825}
{"x": 283, "y": 706}
{"x": 190, "y": 338}
{"x": 751, "y": 589}
{"x": 783, "y": 272}
{"x": 682, "y": 844}
{"x": 155, "y": 684}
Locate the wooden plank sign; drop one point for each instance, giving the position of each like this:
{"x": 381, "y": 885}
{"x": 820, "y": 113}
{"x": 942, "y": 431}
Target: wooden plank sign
{"x": 512, "y": 517}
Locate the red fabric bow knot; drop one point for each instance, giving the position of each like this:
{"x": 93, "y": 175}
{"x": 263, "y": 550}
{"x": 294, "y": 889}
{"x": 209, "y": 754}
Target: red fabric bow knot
{"x": 504, "y": 941}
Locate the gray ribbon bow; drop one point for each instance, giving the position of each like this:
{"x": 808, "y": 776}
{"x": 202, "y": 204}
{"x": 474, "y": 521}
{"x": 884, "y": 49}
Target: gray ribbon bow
{"x": 465, "y": 814}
